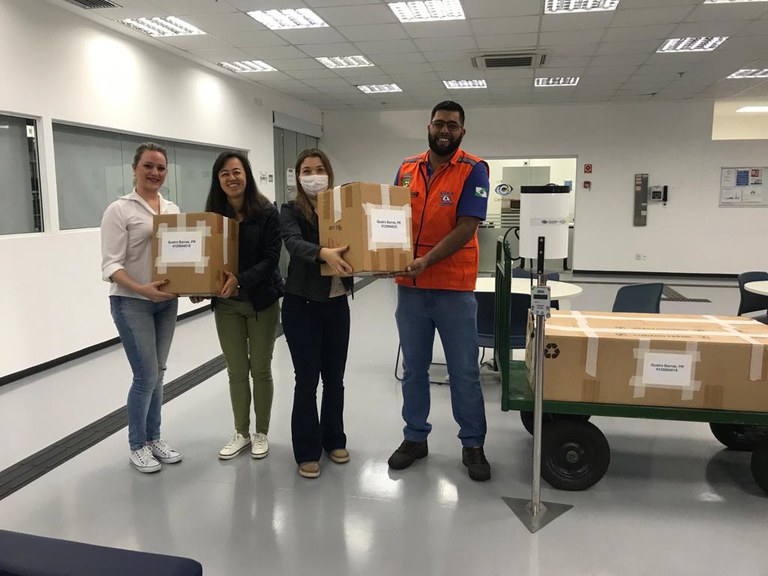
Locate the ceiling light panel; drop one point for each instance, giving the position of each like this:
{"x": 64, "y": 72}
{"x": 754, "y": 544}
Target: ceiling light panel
{"x": 247, "y": 66}
{"x": 162, "y": 27}
{"x": 552, "y": 82}
{"x": 747, "y": 73}
{"x": 345, "y": 62}
{"x": 573, "y": 6}
{"x": 464, "y": 84}
{"x": 753, "y": 109}
{"x": 288, "y": 19}
{"x": 703, "y": 44}
{"x": 730, "y": 1}
{"x": 379, "y": 88}
{"x": 428, "y": 11}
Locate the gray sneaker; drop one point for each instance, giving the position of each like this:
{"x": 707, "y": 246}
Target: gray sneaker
{"x": 163, "y": 452}
{"x": 143, "y": 460}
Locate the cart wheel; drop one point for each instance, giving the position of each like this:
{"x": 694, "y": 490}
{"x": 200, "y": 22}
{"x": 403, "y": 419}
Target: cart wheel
{"x": 527, "y": 419}
{"x": 574, "y": 455}
{"x": 741, "y": 437}
{"x": 760, "y": 466}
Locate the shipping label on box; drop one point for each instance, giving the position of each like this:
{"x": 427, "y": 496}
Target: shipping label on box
{"x": 192, "y": 251}
{"x": 374, "y": 220}
{"x": 675, "y": 360}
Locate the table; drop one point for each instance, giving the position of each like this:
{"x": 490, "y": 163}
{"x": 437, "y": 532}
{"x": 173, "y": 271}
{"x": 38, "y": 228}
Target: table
{"x": 759, "y": 287}
{"x": 559, "y": 290}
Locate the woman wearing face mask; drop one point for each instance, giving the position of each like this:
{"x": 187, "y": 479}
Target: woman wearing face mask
{"x": 315, "y": 321}
{"x": 246, "y": 310}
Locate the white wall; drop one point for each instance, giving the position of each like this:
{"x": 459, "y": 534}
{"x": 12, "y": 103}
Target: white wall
{"x": 59, "y": 67}
{"x": 670, "y": 141}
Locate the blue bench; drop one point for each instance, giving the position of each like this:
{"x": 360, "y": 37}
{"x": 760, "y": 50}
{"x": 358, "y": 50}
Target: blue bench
{"x": 27, "y": 555}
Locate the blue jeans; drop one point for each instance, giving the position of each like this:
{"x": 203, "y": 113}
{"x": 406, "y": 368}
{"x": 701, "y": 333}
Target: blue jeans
{"x": 146, "y": 330}
{"x": 454, "y": 315}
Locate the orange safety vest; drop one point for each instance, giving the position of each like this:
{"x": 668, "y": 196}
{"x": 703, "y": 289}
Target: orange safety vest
{"x": 433, "y": 209}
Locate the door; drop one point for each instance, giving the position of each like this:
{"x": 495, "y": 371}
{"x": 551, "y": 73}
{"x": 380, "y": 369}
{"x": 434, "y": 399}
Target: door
{"x": 288, "y": 145}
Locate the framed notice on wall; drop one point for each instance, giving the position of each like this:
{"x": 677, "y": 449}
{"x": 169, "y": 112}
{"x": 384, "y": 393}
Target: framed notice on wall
{"x": 743, "y": 187}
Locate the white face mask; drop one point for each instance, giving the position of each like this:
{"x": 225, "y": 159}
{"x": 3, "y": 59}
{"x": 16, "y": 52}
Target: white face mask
{"x": 313, "y": 185}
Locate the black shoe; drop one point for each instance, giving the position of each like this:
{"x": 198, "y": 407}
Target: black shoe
{"x": 477, "y": 465}
{"x": 407, "y": 453}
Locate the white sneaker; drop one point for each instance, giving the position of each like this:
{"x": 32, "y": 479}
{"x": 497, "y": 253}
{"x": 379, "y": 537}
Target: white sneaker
{"x": 260, "y": 447}
{"x": 143, "y": 460}
{"x": 163, "y": 452}
{"x": 234, "y": 447}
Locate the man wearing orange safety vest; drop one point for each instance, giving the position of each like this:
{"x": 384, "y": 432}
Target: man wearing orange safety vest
{"x": 449, "y": 196}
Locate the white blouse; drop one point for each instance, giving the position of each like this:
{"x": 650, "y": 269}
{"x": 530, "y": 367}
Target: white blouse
{"x": 126, "y": 240}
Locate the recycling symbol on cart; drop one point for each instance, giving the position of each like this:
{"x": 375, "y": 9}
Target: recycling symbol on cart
{"x": 551, "y": 350}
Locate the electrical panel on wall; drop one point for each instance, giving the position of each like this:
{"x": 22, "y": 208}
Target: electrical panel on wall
{"x": 641, "y": 199}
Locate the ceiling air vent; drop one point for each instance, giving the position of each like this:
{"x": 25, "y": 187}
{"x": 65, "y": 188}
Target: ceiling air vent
{"x": 92, "y": 4}
{"x": 511, "y": 60}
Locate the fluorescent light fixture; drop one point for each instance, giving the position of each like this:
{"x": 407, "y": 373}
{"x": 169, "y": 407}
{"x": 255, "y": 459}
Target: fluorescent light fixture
{"x": 563, "y": 81}
{"x": 162, "y": 27}
{"x": 292, "y": 19}
{"x": 730, "y": 1}
{"x": 429, "y": 11}
{"x": 462, "y": 84}
{"x": 379, "y": 88}
{"x": 247, "y": 66}
{"x": 703, "y": 44}
{"x": 754, "y": 109}
{"x": 750, "y": 73}
{"x": 572, "y": 6}
{"x": 345, "y": 62}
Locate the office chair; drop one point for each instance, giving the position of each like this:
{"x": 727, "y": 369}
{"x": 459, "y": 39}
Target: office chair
{"x": 644, "y": 298}
{"x": 751, "y": 302}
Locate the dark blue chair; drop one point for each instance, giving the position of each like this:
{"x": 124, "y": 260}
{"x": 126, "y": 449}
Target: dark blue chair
{"x": 751, "y": 302}
{"x": 28, "y": 555}
{"x": 642, "y": 298}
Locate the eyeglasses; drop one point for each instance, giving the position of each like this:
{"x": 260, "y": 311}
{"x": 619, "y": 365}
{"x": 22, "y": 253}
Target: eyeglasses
{"x": 439, "y": 125}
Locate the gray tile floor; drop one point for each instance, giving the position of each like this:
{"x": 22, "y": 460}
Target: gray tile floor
{"x": 673, "y": 501}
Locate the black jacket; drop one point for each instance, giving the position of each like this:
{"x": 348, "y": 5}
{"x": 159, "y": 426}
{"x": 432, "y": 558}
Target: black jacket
{"x": 302, "y": 240}
{"x": 259, "y": 256}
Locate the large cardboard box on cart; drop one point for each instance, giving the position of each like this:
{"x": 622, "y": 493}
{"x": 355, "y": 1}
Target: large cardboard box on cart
{"x": 711, "y": 362}
{"x": 192, "y": 251}
{"x": 374, "y": 220}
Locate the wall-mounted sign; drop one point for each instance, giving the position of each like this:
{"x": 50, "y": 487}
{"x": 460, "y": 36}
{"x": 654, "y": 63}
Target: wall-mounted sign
{"x": 743, "y": 187}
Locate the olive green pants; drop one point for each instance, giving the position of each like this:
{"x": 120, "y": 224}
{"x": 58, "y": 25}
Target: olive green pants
{"x": 247, "y": 340}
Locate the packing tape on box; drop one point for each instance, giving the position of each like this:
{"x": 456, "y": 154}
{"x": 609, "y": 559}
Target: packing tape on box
{"x": 592, "y": 337}
{"x": 226, "y": 241}
{"x": 660, "y": 368}
{"x": 388, "y": 226}
{"x": 652, "y": 318}
{"x": 189, "y": 239}
{"x": 336, "y": 203}
{"x": 756, "y": 361}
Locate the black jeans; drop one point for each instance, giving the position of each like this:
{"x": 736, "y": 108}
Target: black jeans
{"x": 318, "y": 337}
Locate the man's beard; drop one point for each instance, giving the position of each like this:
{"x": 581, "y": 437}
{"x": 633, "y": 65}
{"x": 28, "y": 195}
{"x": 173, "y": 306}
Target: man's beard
{"x": 447, "y": 150}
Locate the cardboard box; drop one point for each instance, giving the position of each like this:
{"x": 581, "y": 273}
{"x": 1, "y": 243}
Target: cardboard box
{"x": 713, "y": 362}
{"x": 374, "y": 220}
{"x": 192, "y": 251}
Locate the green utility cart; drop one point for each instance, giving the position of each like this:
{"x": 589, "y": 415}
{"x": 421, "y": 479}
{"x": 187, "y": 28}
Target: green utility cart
{"x": 575, "y": 453}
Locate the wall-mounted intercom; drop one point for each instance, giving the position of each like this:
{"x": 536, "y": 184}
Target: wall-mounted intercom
{"x": 657, "y": 194}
